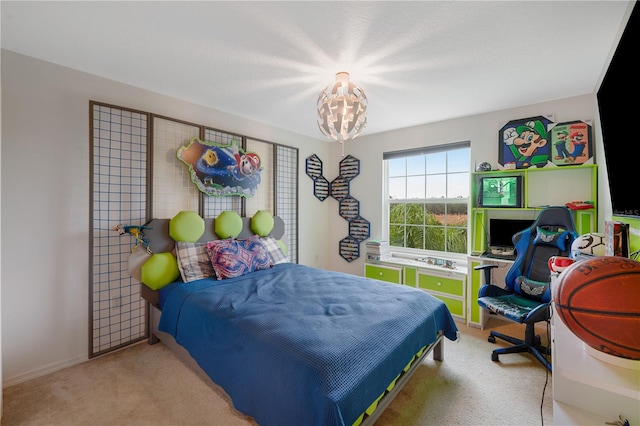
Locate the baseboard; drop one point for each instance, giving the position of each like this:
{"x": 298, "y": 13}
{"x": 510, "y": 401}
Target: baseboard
{"x": 48, "y": 369}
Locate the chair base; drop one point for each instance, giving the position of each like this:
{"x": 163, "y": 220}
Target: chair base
{"x": 531, "y": 344}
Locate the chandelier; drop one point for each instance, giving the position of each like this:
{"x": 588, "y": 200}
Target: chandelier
{"x": 342, "y": 109}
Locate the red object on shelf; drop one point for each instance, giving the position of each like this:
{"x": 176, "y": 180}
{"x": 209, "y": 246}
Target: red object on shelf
{"x": 559, "y": 263}
{"x": 579, "y": 205}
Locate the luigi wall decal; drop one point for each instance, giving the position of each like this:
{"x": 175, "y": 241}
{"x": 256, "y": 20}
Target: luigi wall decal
{"x": 525, "y": 143}
{"x": 571, "y": 143}
{"x": 560, "y": 145}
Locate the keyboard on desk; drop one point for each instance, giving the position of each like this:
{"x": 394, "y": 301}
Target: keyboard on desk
{"x": 499, "y": 256}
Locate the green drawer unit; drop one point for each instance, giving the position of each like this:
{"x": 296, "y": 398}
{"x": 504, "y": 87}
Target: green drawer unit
{"x": 456, "y": 306}
{"x": 454, "y": 287}
{"x": 410, "y": 276}
{"x": 384, "y": 273}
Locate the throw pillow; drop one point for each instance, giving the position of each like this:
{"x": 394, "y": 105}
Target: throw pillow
{"x": 551, "y": 238}
{"x": 233, "y": 258}
{"x": 193, "y": 261}
{"x": 536, "y": 290}
{"x": 273, "y": 250}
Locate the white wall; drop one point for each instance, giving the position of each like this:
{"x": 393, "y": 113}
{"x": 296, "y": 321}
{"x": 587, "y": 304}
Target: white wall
{"x": 45, "y": 195}
{"x": 1, "y": 398}
{"x": 45, "y": 204}
{"x": 481, "y": 130}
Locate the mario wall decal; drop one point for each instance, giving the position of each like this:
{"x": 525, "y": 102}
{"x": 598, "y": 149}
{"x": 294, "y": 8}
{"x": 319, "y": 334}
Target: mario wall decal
{"x": 525, "y": 143}
{"x": 221, "y": 170}
{"x": 571, "y": 143}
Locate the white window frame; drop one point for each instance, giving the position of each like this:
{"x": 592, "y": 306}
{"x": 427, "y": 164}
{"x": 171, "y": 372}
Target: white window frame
{"x": 421, "y": 253}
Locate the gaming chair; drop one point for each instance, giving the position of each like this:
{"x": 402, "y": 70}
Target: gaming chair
{"x": 526, "y": 297}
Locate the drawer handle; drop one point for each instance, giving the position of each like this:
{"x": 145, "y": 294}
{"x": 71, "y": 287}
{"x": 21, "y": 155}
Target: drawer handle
{"x": 380, "y": 273}
{"x": 439, "y": 284}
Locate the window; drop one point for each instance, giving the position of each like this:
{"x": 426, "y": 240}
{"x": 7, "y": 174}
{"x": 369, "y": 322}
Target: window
{"x": 427, "y": 198}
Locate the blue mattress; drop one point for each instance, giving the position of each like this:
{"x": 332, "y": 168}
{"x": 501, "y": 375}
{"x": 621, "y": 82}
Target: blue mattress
{"x": 295, "y": 345}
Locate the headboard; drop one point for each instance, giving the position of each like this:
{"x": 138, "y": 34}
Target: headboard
{"x": 224, "y": 226}
{"x": 154, "y": 262}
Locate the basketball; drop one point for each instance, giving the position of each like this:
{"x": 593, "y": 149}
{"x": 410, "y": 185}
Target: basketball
{"x": 599, "y": 301}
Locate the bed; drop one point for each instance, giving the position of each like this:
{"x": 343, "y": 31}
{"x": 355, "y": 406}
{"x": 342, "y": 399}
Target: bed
{"x": 291, "y": 344}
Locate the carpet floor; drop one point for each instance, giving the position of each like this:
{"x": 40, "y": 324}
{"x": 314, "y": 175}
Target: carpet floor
{"x": 147, "y": 385}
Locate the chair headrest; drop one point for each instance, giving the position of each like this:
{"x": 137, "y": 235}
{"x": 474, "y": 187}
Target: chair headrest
{"x": 554, "y": 238}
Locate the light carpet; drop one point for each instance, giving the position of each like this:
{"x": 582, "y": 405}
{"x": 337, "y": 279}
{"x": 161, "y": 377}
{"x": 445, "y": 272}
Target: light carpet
{"x": 147, "y": 385}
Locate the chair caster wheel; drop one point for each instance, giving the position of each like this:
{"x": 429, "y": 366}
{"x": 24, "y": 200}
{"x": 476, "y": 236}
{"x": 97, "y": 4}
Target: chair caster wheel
{"x": 491, "y": 339}
{"x": 494, "y": 357}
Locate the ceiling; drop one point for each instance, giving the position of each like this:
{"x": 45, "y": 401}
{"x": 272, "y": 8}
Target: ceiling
{"x": 418, "y": 62}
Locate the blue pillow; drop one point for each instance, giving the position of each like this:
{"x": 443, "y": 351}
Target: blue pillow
{"x": 551, "y": 238}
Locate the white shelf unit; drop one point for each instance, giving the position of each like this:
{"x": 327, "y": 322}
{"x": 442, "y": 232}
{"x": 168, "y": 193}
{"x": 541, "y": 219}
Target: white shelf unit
{"x": 587, "y": 390}
{"x": 541, "y": 187}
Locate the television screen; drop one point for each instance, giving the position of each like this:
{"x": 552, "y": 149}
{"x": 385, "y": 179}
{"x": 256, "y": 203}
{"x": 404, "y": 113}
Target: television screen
{"x": 500, "y": 191}
{"x": 501, "y": 231}
{"x": 621, "y": 86}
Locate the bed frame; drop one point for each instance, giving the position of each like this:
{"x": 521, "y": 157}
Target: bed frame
{"x": 155, "y": 336}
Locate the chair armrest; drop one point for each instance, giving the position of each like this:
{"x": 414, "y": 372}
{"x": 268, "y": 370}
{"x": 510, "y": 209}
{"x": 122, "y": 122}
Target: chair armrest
{"x": 487, "y": 271}
{"x": 485, "y": 266}
{"x": 539, "y": 313}
{"x": 490, "y": 290}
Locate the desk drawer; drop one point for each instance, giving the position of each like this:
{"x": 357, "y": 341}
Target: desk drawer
{"x": 456, "y": 306}
{"x": 384, "y": 273}
{"x": 441, "y": 284}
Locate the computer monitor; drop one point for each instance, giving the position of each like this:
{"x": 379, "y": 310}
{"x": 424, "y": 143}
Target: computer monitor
{"x": 500, "y": 191}
{"x": 501, "y": 231}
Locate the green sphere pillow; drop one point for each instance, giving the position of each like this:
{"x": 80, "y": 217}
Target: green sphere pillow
{"x": 282, "y": 247}
{"x": 186, "y": 226}
{"x": 160, "y": 270}
{"x": 262, "y": 223}
{"x": 228, "y": 224}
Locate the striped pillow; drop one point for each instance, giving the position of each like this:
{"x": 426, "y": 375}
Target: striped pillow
{"x": 193, "y": 261}
{"x": 273, "y": 250}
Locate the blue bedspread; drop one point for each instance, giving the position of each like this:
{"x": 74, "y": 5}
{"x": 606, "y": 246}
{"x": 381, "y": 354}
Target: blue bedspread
{"x": 295, "y": 345}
